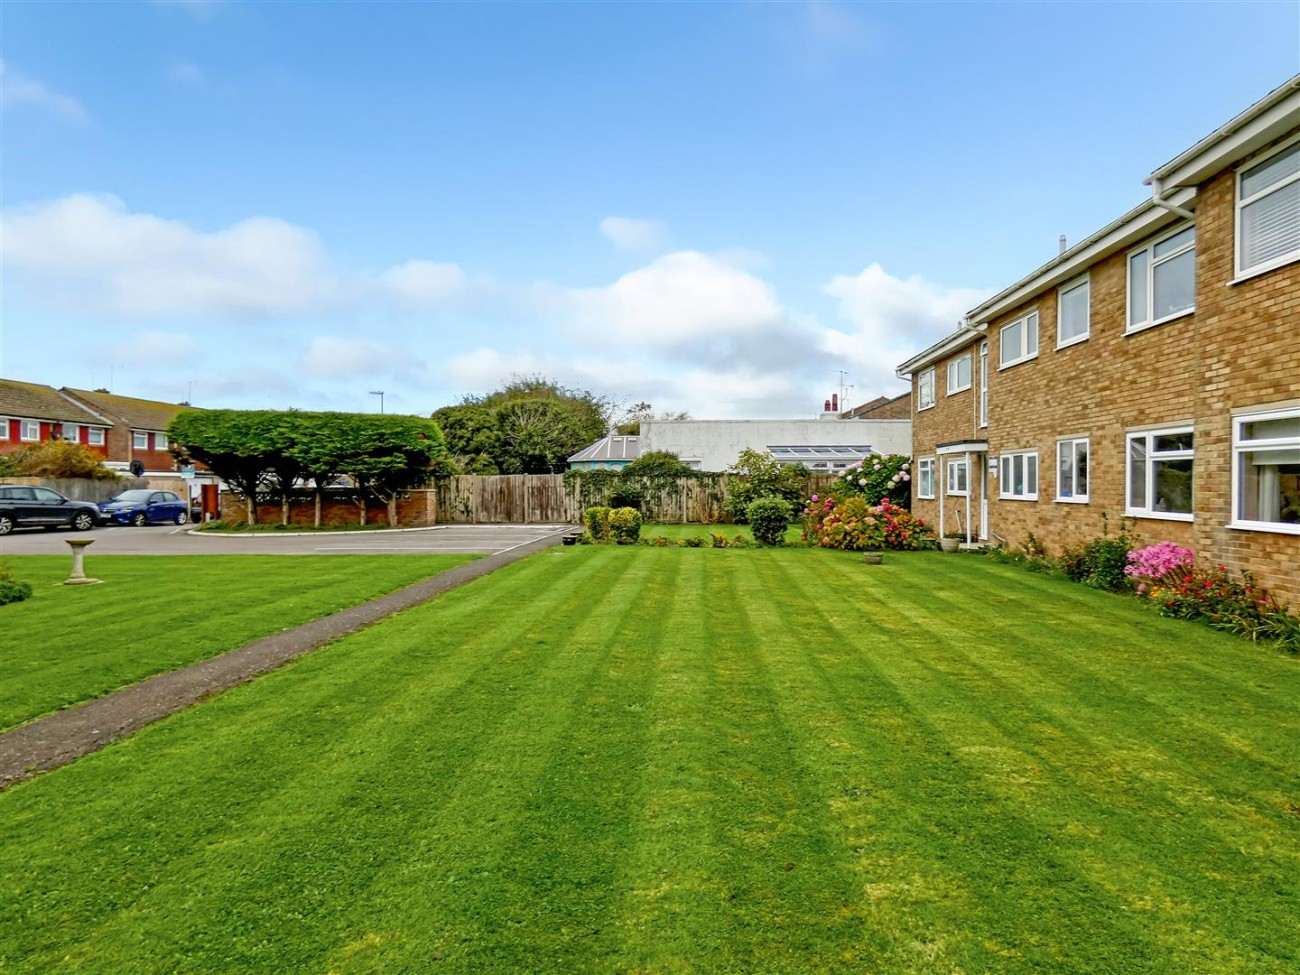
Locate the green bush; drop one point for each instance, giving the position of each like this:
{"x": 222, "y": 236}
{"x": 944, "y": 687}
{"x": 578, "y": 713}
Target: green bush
{"x": 596, "y": 521}
{"x": 1101, "y": 562}
{"x": 764, "y": 477}
{"x": 768, "y": 519}
{"x": 625, "y": 526}
{"x": 11, "y": 590}
{"x": 629, "y": 495}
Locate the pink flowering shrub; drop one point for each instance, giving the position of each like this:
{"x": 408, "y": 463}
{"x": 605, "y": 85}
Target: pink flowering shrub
{"x": 856, "y": 526}
{"x": 1157, "y": 562}
{"x": 879, "y": 477}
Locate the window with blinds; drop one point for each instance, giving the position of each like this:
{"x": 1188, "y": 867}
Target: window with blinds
{"x": 1268, "y": 212}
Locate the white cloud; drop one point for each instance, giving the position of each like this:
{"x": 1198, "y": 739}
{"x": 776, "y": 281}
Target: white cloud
{"x": 185, "y": 73}
{"x": 329, "y": 357}
{"x": 137, "y": 264}
{"x": 93, "y": 251}
{"x": 634, "y": 233}
{"x": 17, "y": 88}
{"x": 424, "y": 282}
{"x": 891, "y": 319}
{"x": 679, "y": 297}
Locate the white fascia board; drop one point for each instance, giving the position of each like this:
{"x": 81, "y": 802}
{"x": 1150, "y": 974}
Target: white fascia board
{"x": 1272, "y": 117}
{"x": 1139, "y": 223}
{"x": 967, "y": 334}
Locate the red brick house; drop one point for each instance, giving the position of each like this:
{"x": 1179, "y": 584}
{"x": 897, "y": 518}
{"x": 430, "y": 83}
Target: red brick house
{"x": 1152, "y": 371}
{"x": 31, "y": 413}
{"x": 138, "y": 431}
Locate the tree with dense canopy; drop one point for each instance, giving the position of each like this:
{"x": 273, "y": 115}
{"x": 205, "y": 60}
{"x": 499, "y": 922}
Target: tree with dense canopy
{"x": 384, "y": 455}
{"x": 531, "y": 425}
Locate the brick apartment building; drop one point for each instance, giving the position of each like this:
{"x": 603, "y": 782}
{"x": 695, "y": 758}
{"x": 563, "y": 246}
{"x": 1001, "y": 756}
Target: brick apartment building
{"x": 1151, "y": 371}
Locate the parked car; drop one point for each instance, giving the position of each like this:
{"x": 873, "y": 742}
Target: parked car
{"x": 22, "y": 506}
{"x": 145, "y": 507}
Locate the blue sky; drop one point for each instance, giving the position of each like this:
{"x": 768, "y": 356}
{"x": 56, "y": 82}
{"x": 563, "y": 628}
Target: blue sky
{"x": 711, "y": 207}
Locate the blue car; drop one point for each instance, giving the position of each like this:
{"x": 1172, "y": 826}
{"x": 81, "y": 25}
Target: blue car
{"x": 146, "y": 507}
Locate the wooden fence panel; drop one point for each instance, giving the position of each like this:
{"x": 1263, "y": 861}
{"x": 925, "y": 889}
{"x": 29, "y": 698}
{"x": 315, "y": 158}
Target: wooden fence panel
{"x": 548, "y": 500}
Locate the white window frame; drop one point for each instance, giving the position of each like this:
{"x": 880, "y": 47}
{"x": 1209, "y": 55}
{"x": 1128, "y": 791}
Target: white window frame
{"x": 4, "y": 427}
{"x": 136, "y": 437}
{"x": 1065, "y": 289}
{"x": 1030, "y": 326}
{"x": 94, "y": 436}
{"x": 1151, "y": 457}
{"x": 924, "y": 380}
{"x": 1006, "y": 480}
{"x": 1073, "y": 444}
{"x": 25, "y": 431}
{"x": 952, "y": 467}
{"x": 1239, "y": 449}
{"x": 72, "y": 432}
{"x": 984, "y": 383}
{"x": 958, "y": 387}
{"x": 925, "y": 471}
{"x": 1150, "y": 321}
{"x": 1287, "y": 258}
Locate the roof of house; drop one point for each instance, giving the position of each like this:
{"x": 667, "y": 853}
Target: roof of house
{"x": 138, "y": 414}
{"x": 882, "y": 408}
{"x": 36, "y": 402}
{"x": 609, "y": 448}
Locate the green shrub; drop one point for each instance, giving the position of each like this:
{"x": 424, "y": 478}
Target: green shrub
{"x": 627, "y": 495}
{"x": 596, "y": 521}
{"x": 691, "y": 541}
{"x": 1101, "y": 562}
{"x": 624, "y": 526}
{"x": 768, "y": 519}
{"x": 765, "y": 477}
{"x": 11, "y": 590}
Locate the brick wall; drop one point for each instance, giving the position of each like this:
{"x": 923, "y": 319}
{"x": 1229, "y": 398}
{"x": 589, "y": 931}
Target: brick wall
{"x": 1240, "y": 349}
{"x": 420, "y": 510}
{"x": 952, "y": 418}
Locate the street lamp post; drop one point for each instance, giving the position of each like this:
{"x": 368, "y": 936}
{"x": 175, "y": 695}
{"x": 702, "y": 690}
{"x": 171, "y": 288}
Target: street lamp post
{"x": 380, "y": 394}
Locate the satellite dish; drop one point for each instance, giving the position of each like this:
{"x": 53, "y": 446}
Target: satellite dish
{"x": 136, "y": 468}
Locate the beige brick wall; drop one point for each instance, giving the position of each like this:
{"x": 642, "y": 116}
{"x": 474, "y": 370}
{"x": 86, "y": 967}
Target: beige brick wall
{"x": 952, "y": 418}
{"x": 1240, "y": 349}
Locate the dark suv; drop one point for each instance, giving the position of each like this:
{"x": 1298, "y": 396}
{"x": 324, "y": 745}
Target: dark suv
{"x": 22, "y": 506}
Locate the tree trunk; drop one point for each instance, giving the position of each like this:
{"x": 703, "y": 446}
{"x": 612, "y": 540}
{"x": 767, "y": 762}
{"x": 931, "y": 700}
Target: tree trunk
{"x": 361, "y": 503}
{"x": 318, "y": 506}
{"x": 252, "y": 507}
{"x": 284, "y": 509}
{"x": 392, "y": 511}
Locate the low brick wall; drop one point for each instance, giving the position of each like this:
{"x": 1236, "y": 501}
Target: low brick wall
{"x": 420, "y": 510}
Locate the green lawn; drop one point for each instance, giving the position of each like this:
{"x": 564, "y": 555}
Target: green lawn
{"x": 68, "y": 644}
{"x": 665, "y": 761}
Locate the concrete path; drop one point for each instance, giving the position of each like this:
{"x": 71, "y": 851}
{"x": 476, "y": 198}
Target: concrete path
{"x": 65, "y": 736}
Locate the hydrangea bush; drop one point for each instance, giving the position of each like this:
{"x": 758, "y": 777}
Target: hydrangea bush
{"x": 855, "y": 525}
{"x": 878, "y": 477}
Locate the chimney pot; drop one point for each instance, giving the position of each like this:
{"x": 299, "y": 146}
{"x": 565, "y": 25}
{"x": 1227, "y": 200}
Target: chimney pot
{"x": 835, "y": 402}
{"x": 1060, "y": 241}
